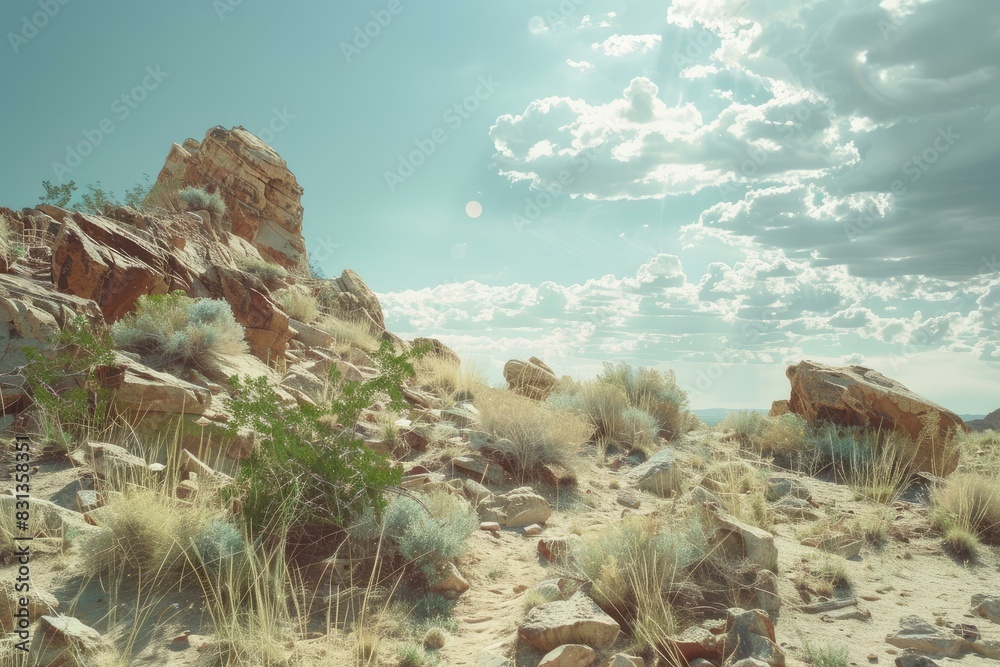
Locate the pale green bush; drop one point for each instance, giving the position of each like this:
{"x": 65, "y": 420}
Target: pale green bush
{"x": 170, "y": 330}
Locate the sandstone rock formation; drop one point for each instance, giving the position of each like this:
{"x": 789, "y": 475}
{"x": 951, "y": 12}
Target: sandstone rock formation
{"x": 349, "y": 298}
{"x": 263, "y": 199}
{"x": 858, "y": 396}
{"x": 531, "y": 378}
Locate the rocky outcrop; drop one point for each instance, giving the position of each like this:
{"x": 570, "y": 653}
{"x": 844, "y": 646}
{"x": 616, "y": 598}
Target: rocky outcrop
{"x": 96, "y": 258}
{"x": 531, "y": 378}
{"x": 858, "y": 396}
{"x": 263, "y": 198}
{"x": 63, "y": 640}
{"x": 349, "y": 298}
{"x": 437, "y": 349}
{"x": 778, "y": 408}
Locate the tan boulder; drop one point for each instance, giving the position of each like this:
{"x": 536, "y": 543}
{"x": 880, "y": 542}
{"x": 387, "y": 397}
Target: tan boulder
{"x": 349, "y": 298}
{"x": 263, "y": 198}
{"x": 63, "y": 640}
{"x": 516, "y": 509}
{"x": 858, "y": 396}
{"x": 139, "y": 390}
{"x": 779, "y": 408}
{"x": 577, "y": 620}
{"x": 531, "y": 378}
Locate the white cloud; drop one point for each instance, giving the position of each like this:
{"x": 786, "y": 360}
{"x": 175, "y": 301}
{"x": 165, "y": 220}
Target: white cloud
{"x": 581, "y": 65}
{"x": 618, "y": 46}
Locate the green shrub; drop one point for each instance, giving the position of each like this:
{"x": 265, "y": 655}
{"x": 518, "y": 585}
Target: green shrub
{"x": 169, "y": 330}
{"x": 197, "y": 199}
{"x": 825, "y": 655}
{"x": 146, "y": 533}
{"x": 221, "y": 547}
{"x": 297, "y": 304}
{"x": 308, "y": 474}
{"x": 427, "y": 536}
{"x": 63, "y": 381}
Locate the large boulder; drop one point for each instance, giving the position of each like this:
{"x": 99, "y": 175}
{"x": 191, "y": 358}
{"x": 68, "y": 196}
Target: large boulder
{"x": 858, "y": 396}
{"x": 349, "y": 298}
{"x": 531, "y": 378}
{"x": 659, "y": 474}
{"x": 577, "y": 620}
{"x": 263, "y": 198}
{"x": 113, "y": 264}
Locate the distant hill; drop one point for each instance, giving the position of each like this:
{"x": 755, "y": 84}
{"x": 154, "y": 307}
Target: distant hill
{"x": 712, "y": 416}
{"x": 983, "y": 422}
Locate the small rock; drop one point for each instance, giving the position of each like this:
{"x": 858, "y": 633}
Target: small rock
{"x": 795, "y": 508}
{"x": 515, "y": 509}
{"x": 659, "y": 474}
{"x": 478, "y": 468}
{"x": 570, "y": 655}
{"x": 557, "y": 549}
{"x": 476, "y": 492}
{"x": 624, "y": 660}
{"x": 182, "y": 637}
{"x": 490, "y": 659}
{"x": 532, "y": 530}
{"x": 451, "y": 584}
{"x": 987, "y": 606}
{"x": 64, "y": 641}
{"x": 39, "y": 602}
{"x": 577, "y": 620}
{"x": 629, "y": 499}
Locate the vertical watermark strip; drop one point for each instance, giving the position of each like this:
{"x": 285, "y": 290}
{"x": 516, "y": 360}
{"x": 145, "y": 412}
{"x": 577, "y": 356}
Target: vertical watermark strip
{"x": 22, "y": 521}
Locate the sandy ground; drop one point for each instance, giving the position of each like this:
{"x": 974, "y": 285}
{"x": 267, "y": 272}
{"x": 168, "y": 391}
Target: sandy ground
{"x": 909, "y": 575}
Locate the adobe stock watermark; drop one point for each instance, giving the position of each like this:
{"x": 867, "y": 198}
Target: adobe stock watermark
{"x": 363, "y": 35}
{"x": 280, "y": 120}
{"x": 121, "y": 108}
{"x": 223, "y": 7}
{"x": 915, "y": 168}
{"x": 31, "y": 25}
{"x": 454, "y": 117}
{"x": 535, "y": 205}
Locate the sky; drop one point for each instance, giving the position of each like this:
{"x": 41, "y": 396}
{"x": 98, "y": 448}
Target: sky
{"x": 715, "y": 187}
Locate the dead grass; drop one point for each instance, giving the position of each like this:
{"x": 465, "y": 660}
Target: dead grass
{"x": 350, "y": 333}
{"x": 529, "y": 432}
{"x": 452, "y": 381}
{"x": 968, "y": 505}
{"x": 741, "y": 488}
{"x": 298, "y": 304}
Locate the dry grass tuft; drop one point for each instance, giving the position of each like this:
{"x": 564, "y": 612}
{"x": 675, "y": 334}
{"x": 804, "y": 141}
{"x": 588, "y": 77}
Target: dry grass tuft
{"x": 297, "y": 303}
{"x": 530, "y": 432}
{"x": 350, "y": 333}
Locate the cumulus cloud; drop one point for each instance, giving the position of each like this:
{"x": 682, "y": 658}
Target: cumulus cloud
{"x": 623, "y": 45}
{"x": 869, "y": 125}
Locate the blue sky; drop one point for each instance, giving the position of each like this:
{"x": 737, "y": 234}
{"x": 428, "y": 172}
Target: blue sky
{"x": 720, "y": 187}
